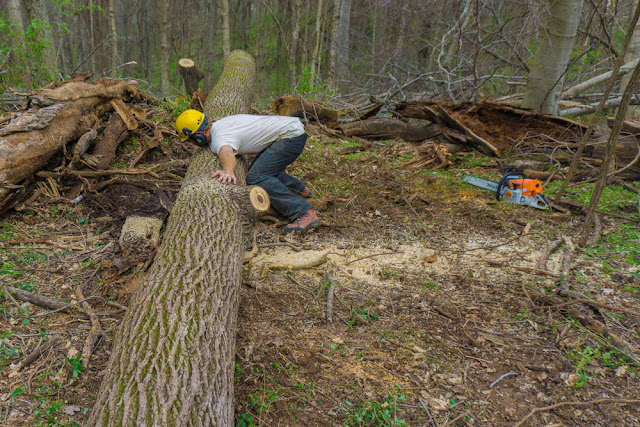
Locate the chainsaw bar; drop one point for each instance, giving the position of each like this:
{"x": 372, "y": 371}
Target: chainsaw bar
{"x": 509, "y": 194}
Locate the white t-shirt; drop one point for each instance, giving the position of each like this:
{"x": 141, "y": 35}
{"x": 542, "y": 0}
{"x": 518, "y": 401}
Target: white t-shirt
{"x": 248, "y": 134}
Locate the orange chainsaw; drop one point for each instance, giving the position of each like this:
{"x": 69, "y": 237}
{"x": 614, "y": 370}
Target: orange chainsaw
{"x": 513, "y": 187}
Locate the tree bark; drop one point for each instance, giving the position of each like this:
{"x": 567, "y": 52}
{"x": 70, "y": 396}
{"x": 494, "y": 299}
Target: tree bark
{"x": 37, "y": 9}
{"x": 173, "y": 356}
{"x": 33, "y": 137}
{"x": 555, "y": 42}
{"x": 16, "y": 15}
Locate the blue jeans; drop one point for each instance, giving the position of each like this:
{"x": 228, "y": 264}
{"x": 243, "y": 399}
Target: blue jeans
{"x": 267, "y": 171}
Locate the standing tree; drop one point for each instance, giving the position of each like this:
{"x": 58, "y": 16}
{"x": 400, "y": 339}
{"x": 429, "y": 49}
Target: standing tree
{"x": 555, "y": 42}
{"x": 342, "y": 59}
{"x": 173, "y": 356}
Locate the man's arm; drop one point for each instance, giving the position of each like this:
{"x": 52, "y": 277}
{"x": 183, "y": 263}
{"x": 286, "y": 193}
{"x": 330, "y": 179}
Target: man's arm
{"x": 228, "y": 162}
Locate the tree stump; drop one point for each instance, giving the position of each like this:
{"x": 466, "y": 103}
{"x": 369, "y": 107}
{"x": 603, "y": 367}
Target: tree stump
{"x": 173, "y": 357}
{"x": 190, "y": 74}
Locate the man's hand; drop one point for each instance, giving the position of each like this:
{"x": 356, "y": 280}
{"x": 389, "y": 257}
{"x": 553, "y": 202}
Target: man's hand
{"x": 228, "y": 162}
{"x": 225, "y": 177}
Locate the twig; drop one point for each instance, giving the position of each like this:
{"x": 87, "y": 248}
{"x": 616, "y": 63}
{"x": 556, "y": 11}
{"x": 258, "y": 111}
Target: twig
{"x": 329, "y": 279}
{"x": 373, "y": 255}
{"x": 492, "y": 246}
{"x": 589, "y": 302}
{"x": 501, "y": 377}
{"x": 575, "y": 403}
{"x": 567, "y": 260}
{"x": 425, "y": 406}
{"x": 453, "y": 421}
{"x": 94, "y": 334}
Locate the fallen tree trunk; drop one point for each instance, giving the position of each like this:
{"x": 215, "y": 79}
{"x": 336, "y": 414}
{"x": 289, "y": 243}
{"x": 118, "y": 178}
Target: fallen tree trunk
{"x": 388, "y": 129}
{"x": 172, "y": 359}
{"x": 582, "y": 110}
{"x": 576, "y": 90}
{"x": 56, "y": 117}
{"x": 296, "y": 106}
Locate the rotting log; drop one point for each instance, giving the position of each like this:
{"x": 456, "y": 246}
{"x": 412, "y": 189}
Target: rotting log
{"x": 56, "y": 117}
{"x": 173, "y": 356}
{"x": 297, "y": 106}
{"x": 191, "y": 75}
{"x": 388, "y": 129}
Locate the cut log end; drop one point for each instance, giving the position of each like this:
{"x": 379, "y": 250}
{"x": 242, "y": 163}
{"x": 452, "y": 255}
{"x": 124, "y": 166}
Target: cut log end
{"x": 186, "y": 63}
{"x": 259, "y": 199}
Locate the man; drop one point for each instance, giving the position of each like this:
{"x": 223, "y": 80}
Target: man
{"x": 277, "y": 141}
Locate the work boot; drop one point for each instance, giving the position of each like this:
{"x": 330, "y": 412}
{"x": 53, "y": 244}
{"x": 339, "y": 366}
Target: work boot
{"x": 306, "y": 193}
{"x": 303, "y": 224}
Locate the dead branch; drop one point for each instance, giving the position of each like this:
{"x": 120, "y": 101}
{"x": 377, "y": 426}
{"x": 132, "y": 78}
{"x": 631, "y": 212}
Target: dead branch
{"x": 551, "y": 248}
{"x": 33, "y": 356}
{"x": 94, "y": 334}
{"x": 302, "y": 266}
{"x": 329, "y": 279}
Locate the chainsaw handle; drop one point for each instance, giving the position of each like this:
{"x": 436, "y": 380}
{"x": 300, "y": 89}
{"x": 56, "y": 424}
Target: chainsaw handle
{"x": 505, "y": 180}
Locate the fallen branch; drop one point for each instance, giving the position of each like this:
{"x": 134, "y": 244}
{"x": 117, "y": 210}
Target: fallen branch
{"x": 33, "y": 356}
{"x": 302, "y": 266}
{"x": 373, "y": 255}
{"x": 94, "y": 334}
{"x": 575, "y": 403}
{"x": 588, "y": 302}
{"x": 329, "y": 279}
{"x": 551, "y": 248}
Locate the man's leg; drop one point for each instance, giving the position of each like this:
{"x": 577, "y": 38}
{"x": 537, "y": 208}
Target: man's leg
{"x": 268, "y": 166}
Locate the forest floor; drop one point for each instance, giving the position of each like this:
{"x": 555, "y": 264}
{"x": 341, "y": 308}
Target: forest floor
{"x": 433, "y": 318}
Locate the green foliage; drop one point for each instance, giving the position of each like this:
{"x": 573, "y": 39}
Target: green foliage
{"x": 376, "y": 414}
{"x": 312, "y": 84}
{"x": 76, "y": 364}
{"x": 6, "y": 354}
{"x": 175, "y": 106}
{"x": 27, "y": 53}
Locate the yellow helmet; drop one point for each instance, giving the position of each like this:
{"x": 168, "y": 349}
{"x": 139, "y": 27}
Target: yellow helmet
{"x": 190, "y": 122}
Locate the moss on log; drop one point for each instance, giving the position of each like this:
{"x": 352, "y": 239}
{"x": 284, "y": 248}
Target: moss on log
{"x": 173, "y": 356}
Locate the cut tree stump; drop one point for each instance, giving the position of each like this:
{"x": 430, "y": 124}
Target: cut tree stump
{"x": 191, "y": 75}
{"x": 140, "y": 238}
{"x": 173, "y": 357}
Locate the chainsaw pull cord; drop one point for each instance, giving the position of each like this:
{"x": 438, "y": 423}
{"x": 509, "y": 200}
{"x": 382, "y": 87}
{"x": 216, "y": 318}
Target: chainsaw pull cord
{"x": 505, "y": 181}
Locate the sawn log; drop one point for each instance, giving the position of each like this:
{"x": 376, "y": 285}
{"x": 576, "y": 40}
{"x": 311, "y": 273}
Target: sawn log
{"x": 173, "y": 357}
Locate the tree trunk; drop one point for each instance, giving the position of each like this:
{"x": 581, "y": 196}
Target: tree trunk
{"x": 173, "y": 356}
{"x": 164, "y": 44}
{"x": 210, "y": 62}
{"x": 16, "y": 16}
{"x": 226, "y": 35}
{"x": 293, "y": 46}
{"x": 315, "y": 57}
{"x": 344, "y": 25}
{"x": 555, "y": 42}
{"x": 633, "y": 52}
{"x": 114, "y": 39}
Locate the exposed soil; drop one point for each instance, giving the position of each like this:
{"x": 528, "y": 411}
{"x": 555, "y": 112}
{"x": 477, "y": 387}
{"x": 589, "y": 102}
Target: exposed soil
{"x": 432, "y": 321}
